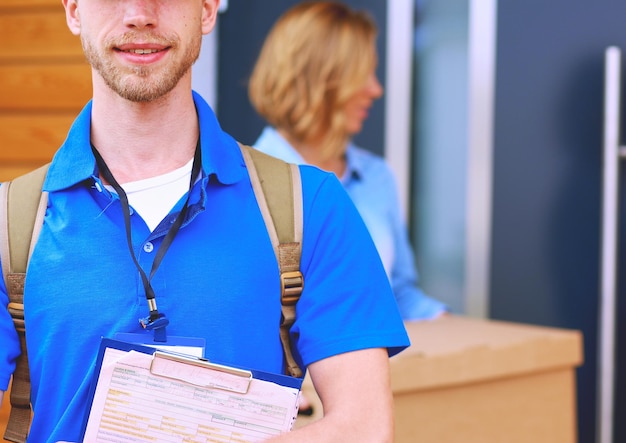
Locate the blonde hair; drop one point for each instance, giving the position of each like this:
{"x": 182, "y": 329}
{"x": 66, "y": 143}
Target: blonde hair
{"x": 315, "y": 57}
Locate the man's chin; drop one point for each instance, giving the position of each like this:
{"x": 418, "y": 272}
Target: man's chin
{"x": 142, "y": 90}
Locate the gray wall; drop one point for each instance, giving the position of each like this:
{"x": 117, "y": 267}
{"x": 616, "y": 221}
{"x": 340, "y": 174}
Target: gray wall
{"x": 547, "y": 173}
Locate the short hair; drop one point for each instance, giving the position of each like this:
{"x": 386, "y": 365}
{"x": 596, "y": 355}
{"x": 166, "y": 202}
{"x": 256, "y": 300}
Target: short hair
{"x": 315, "y": 57}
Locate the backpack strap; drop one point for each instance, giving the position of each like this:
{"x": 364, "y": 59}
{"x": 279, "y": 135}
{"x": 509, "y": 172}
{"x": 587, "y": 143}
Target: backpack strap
{"x": 22, "y": 208}
{"x": 277, "y": 188}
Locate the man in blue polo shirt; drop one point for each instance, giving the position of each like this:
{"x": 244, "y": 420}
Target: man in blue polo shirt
{"x": 149, "y": 196}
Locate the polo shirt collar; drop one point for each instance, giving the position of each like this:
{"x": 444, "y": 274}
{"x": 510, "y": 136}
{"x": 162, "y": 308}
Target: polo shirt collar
{"x": 354, "y": 164}
{"x": 221, "y": 155}
{"x": 74, "y": 162}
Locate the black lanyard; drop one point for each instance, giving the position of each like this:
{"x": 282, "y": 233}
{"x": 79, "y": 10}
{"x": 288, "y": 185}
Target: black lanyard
{"x": 156, "y": 320}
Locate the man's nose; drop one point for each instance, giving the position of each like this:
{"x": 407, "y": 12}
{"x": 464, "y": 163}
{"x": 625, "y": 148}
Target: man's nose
{"x": 140, "y": 13}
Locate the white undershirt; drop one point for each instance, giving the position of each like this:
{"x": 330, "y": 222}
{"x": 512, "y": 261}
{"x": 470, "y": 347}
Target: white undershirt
{"x": 153, "y": 198}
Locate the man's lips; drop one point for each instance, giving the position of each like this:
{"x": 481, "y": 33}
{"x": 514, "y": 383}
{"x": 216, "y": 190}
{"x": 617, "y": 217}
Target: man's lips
{"x": 142, "y": 53}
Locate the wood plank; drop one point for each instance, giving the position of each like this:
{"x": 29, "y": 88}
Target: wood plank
{"x": 4, "y": 413}
{"x": 22, "y": 4}
{"x": 9, "y": 172}
{"x": 37, "y": 34}
{"x": 45, "y": 87}
{"x": 32, "y": 137}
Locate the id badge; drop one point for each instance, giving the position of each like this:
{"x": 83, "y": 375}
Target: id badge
{"x": 194, "y": 346}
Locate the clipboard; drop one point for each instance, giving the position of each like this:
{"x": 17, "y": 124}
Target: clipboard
{"x": 140, "y": 393}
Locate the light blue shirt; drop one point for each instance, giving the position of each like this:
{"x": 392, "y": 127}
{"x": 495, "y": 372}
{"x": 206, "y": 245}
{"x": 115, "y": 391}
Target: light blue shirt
{"x": 371, "y": 184}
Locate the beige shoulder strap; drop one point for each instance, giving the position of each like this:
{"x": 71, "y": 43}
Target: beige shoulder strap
{"x": 278, "y": 191}
{"x": 22, "y": 208}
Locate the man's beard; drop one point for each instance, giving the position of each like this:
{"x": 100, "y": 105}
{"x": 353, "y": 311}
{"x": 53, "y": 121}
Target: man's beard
{"x": 145, "y": 83}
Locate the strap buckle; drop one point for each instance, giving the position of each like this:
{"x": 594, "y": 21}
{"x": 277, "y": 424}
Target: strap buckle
{"x": 16, "y": 310}
{"x": 291, "y": 286}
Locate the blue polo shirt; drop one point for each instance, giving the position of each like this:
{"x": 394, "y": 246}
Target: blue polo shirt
{"x": 219, "y": 279}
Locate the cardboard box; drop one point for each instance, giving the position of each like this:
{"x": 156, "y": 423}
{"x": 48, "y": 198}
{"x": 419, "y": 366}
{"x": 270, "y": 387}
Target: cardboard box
{"x": 473, "y": 380}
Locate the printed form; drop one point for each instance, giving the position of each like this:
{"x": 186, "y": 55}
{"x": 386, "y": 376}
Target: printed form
{"x": 144, "y": 398}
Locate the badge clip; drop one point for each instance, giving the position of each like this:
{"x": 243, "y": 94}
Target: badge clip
{"x": 157, "y": 325}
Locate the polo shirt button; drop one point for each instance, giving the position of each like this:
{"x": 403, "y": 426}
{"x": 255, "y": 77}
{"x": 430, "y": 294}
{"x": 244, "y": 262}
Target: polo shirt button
{"x": 148, "y": 247}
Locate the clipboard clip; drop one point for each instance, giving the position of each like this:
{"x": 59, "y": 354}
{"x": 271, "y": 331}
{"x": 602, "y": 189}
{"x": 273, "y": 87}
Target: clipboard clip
{"x": 200, "y": 372}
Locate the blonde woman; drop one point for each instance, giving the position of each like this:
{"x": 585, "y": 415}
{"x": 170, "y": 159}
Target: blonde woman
{"x": 314, "y": 83}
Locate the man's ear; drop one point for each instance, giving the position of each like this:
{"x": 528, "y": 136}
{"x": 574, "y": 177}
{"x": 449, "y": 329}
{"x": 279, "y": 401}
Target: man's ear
{"x": 72, "y": 16}
{"x": 209, "y": 15}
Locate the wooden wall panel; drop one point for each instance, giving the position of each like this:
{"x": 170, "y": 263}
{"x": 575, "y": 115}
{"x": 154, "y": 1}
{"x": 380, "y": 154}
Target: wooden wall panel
{"x": 27, "y": 4}
{"x": 4, "y": 412}
{"x": 39, "y": 34}
{"x": 10, "y": 171}
{"x": 49, "y": 87}
{"x": 32, "y": 137}
{"x": 44, "y": 83}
